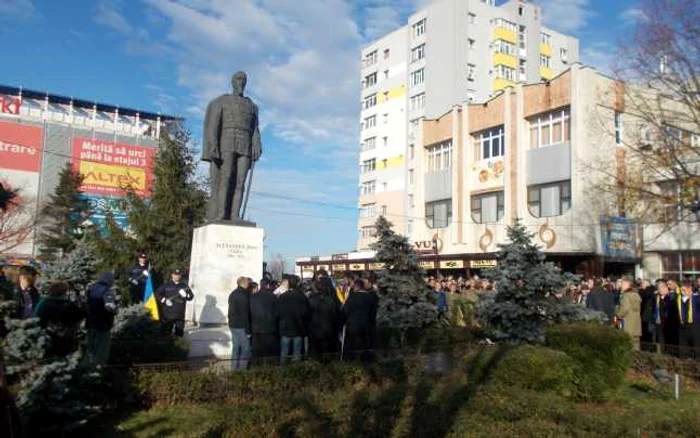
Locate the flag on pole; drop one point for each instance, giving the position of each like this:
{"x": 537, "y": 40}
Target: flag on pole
{"x": 149, "y": 299}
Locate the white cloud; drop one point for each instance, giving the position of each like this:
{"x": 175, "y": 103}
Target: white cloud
{"x": 17, "y": 9}
{"x": 632, "y": 16}
{"x": 109, "y": 15}
{"x": 566, "y": 15}
{"x": 600, "y": 55}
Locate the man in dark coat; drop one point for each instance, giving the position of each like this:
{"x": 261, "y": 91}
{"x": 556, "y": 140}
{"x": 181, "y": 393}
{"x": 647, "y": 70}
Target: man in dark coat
{"x": 647, "y": 292}
{"x": 360, "y": 315}
{"x": 601, "y": 301}
{"x": 101, "y": 307}
{"x": 264, "y": 313}
{"x": 137, "y": 275}
{"x": 172, "y": 297}
{"x": 324, "y": 321}
{"x": 684, "y": 311}
{"x": 239, "y": 322}
{"x": 293, "y": 319}
{"x": 26, "y": 295}
{"x": 60, "y": 317}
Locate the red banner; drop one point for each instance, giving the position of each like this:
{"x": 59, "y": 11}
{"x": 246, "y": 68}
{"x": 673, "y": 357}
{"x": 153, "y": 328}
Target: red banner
{"x": 20, "y": 147}
{"x": 110, "y": 168}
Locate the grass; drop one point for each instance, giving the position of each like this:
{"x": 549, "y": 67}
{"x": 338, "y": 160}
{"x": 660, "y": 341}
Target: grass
{"x": 419, "y": 405}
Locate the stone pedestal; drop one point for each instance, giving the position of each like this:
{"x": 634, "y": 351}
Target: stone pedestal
{"x": 220, "y": 254}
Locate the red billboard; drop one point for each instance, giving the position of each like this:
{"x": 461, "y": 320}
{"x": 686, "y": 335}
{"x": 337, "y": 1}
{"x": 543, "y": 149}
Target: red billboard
{"x": 108, "y": 168}
{"x": 20, "y": 147}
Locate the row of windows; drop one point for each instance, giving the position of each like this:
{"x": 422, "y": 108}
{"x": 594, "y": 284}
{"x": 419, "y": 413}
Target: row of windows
{"x": 501, "y": 46}
{"x": 418, "y": 53}
{"x": 550, "y": 128}
{"x": 489, "y": 143}
{"x": 545, "y": 61}
{"x": 505, "y": 72}
{"x": 439, "y": 156}
{"x": 417, "y": 77}
{"x": 369, "y": 211}
{"x": 417, "y": 101}
{"x": 500, "y": 22}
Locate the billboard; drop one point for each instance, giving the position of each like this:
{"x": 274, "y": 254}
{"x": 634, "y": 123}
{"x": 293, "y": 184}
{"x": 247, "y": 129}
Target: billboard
{"x": 619, "y": 238}
{"x": 109, "y": 168}
{"x": 20, "y": 147}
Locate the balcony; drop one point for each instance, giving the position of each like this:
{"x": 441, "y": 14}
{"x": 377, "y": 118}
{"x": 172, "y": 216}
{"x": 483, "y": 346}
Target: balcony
{"x": 545, "y": 49}
{"x": 501, "y": 33}
{"x": 505, "y": 59}
{"x": 546, "y": 72}
{"x": 501, "y": 83}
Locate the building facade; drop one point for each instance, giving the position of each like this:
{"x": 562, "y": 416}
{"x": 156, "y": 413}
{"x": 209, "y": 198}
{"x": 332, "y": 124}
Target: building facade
{"x": 452, "y": 52}
{"x": 40, "y": 133}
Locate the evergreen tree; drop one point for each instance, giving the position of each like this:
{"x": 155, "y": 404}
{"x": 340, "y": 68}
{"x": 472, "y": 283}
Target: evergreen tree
{"x": 63, "y": 216}
{"x": 77, "y": 269}
{"x": 524, "y": 303}
{"x": 405, "y": 302}
{"x": 163, "y": 225}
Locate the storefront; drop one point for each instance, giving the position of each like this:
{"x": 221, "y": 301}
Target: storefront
{"x": 679, "y": 265}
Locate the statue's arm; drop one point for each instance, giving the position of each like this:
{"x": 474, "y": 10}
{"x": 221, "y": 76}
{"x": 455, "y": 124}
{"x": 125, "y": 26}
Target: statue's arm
{"x": 256, "y": 141}
{"x": 212, "y": 126}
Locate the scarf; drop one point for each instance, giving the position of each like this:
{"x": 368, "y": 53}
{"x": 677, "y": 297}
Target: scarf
{"x": 657, "y": 310}
{"x": 341, "y": 294}
{"x": 679, "y": 303}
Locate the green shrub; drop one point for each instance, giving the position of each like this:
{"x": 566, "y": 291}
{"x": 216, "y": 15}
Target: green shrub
{"x": 536, "y": 368}
{"x": 602, "y": 354}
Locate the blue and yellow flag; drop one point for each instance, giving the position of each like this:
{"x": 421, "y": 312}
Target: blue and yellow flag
{"x": 149, "y": 299}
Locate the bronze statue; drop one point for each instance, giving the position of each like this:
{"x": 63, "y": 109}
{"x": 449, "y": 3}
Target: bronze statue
{"x": 231, "y": 146}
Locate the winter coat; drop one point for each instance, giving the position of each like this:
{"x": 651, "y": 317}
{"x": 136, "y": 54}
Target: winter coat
{"x": 169, "y": 293}
{"x": 293, "y": 314}
{"x": 648, "y": 295}
{"x": 602, "y": 301}
{"x": 629, "y": 310}
{"x": 674, "y": 318}
{"x": 360, "y": 311}
{"x": 323, "y": 323}
{"x": 20, "y": 301}
{"x": 137, "y": 278}
{"x": 264, "y": 312}
{"x": 239, "y": 310}
{"x": 60, "y": 317}
{"x": 101, "y": 305}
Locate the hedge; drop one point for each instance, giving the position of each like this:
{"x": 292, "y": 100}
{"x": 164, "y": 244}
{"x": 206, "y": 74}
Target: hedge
{"x": 536, "y": 368}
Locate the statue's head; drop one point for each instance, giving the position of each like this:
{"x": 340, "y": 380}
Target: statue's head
{"x": 238, "y": 83}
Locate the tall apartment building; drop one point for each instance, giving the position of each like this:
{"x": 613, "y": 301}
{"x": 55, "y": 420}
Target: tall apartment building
{"x": 450, "y": 53}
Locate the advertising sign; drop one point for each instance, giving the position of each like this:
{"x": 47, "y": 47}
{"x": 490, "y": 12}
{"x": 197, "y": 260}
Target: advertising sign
{"x": 101, "y": 206}
{"x": 109, "y": 168}
{"x": 20, "y": 147}
{"x": 10, "y": 104}
{"x": 619, "y": 237}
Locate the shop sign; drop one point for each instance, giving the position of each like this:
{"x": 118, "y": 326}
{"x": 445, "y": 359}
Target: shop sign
{"x": 426, "y": 265}
{"x": 357, "y": 266}
{"x": 376, "y": 266}
{"x": 478, "y": 264}
{"x": 339, "y": 267}
{"x": 451, "y": 264}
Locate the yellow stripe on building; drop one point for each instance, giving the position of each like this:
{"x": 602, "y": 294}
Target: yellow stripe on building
{"x": 394, "y": 92}
{"x": 505, "y": 59}
{"x": 501, "y": 33}
{"x": 545, "y": 49}
{"x": 501, "y": 83}
{"x": 546, "y": 72}
{"x": 390, "y": 162}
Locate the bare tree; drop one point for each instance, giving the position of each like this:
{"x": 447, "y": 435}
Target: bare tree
{"x": 656, "y": 174}
{"x": 276, "y": 266}
{"x": 17, "y": 221}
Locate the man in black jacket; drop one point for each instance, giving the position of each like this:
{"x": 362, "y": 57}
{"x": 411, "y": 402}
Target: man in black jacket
{"x": 101, "y": 307}
{"x": 172, "y": 297}
{"x": 293, "y": 319}
{"x": 138, "y": 274}
{"x": 263, "y": 313}
{"x": 360, "y": 314}
{"x": 323, "y": 324}
{"x": 601, "y": 300}
{"x": 239, "y": 322}
{"x": 26, "y": 296}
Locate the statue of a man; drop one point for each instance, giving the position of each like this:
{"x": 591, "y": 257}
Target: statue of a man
{"x": 231, "y": 146}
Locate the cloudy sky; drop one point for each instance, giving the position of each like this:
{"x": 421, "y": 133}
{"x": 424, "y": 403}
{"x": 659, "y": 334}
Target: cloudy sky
{"x": 302, "y": 58}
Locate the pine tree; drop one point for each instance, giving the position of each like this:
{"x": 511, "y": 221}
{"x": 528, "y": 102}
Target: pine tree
{"x": 77, "y": 269}
{"x": 524, "y": 304}
{"x": 163, "y": 225}
{"x": 405, "y": 302}
{"x": 63, "y": 216}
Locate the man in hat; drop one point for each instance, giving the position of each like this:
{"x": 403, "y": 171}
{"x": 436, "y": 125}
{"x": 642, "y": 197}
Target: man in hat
{"x": 138, "y": 274}
{"x": 172, "y": 297}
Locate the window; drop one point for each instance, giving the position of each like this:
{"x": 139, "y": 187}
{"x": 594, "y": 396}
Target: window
{"x": 409, "y": 227}
{"x": 370, "y": 58}
{"x": 417, "y": 77}
{"x": 472, "y": 18}
{"x": 439, "y": 156}
{"x": 368, "y": 211}
{"x": 369, "y": 144}
{"x": 368, "y": 165}
{"x": 523, "y": 69}
{"x": 618, "y": 128}
{"x": 370, "y": 101}
{"x": 522, "y": 37}
{"x": 489, "y": 143}
{"x": 370, "y": 79}
{"x": 385, "y": 186}
{"x": 385, "y": 141}
{"x": 412, "y": 151}
{"x": 438, "y": 214}
{"x": 504, "y": 47}
{"x": 418, "y": 53}
{"x": 367, "y": 232}
{"x": 487, "y": 208}
{"x": 386, "y": 74}
{"x": 500, "y": 22}
{"x": 471, "y": 94}
{"x": 471, "y": 72}
{"x": 419, "y": 28}
{"x": 563, "y": 54}
{"x": 411, "y": 176}
{"x": 417, "y": 101}
{"x": 521, "y": 10}
{"x": 386, "y": 53}
{"x": 549, "y": 200}
{"x": 545, "y": 38}
{"x": 370, "y": 122}
{"x": 384, "y": 210}
{"x": 545, "y": 61}
{"x": 550, "y": 128}
{"x": 673, "y": 210}
{"x": 368, "y": 188}
{"x": 411, "y": 204}
{"x": 505, "y": 72}
{"x": 472, "y": 43}
{"x": 385, "y": 118}
{"x": 385, "y": 163}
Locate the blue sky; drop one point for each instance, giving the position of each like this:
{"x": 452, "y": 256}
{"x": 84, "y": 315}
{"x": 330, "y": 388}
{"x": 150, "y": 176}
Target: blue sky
{"x": 302, "y": 58}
